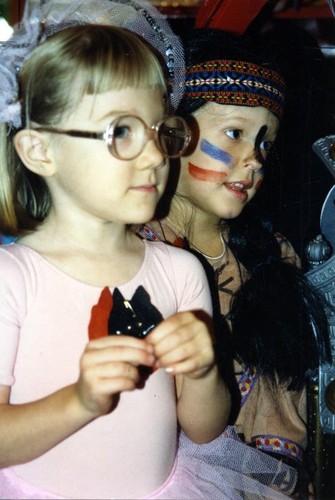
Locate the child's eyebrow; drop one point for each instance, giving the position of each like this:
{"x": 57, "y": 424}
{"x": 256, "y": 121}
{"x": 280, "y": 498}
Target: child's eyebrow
{"x": 112, "y": 114}
{"x": 233, "y": 117}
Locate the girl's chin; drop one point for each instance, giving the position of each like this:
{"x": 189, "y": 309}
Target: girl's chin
{"x": 231, "y": 214}
{"x": 143, "y": 218}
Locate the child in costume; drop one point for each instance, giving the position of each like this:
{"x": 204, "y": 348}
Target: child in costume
{"x": 267, "y": 316}
{"x": 105, "y": 340}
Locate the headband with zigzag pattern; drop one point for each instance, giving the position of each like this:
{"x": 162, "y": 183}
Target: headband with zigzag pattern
{"x": 236, "y": 83}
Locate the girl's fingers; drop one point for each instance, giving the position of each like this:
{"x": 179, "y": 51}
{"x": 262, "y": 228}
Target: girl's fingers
{"x": 169, "y": 325}
{"x": 190, "y": 367}
{"x": 182, "y": 325}
{"x": 99, "y": 384}
{"x": 186, "y": 358}
{"x": 189, "y": 339}
{"x": 126, "y": 350}
{"x": 119, "y": 341}
{"x": 183, "y": 343}
{"x": 108, "y": 367}
{"x": 112, "y": 370}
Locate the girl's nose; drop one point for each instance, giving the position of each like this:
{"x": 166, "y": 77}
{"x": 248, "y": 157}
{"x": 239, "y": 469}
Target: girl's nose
{"x": 255, "y": 166}
{"x": 254, "y": 160}
{"x": 151, "y": 156}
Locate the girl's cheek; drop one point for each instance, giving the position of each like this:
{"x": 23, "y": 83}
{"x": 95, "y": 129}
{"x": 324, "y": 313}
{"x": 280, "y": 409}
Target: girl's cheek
{"x": 211, "y": 152}
{"x": 216, "y": 153}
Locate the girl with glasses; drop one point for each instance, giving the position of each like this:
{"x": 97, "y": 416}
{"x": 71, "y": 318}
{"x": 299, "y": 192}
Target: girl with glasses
{"x": 105, "y": 340}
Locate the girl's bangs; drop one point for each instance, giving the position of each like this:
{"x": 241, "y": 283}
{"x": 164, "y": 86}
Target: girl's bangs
{"x": 113, "y": 71}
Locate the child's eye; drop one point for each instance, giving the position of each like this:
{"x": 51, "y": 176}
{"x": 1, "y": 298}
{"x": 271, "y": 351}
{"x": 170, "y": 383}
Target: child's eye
{"x": 234, "y": 134}
{"x": 121, "y": 132}
{"x": 266, "y": 146}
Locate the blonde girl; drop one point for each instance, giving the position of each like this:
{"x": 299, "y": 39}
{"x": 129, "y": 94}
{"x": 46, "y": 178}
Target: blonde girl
{"x": 87, "y": 411}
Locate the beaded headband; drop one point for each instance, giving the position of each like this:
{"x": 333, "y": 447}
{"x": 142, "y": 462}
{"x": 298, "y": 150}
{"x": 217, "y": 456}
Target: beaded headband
{"x": 236, "y": 83}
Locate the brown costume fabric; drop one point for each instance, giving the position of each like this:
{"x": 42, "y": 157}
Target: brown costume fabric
{"x": 278, "y": 413}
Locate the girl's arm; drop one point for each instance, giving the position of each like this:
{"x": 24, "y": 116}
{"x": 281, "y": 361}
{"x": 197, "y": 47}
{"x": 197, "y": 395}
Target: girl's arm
{"x": 203, "y": 406}
{"x": 183, "y": 346}
{"x": 108, "y": 367}
{"x": 29, "y": 430}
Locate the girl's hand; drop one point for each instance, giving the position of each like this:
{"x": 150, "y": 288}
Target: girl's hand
{"x": 183, "y": 344}
{"x": 109, "y": 366}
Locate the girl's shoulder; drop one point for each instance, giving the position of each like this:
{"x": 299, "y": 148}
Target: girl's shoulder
{"x": 17, "y": 263}
{"x": 180, "y": 272}
{"x": 173, "y": 255}
{"x": 17, "y": 253}
{"x": 13, "y": 252}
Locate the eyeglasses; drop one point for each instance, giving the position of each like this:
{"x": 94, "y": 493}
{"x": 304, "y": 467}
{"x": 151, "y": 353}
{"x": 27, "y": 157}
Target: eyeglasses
{"x": 127, "y": 135}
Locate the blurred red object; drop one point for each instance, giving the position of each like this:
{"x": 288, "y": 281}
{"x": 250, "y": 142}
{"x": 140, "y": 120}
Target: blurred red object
{"x": 229, "y": 15}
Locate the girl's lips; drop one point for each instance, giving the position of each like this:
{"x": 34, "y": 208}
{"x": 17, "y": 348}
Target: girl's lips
{"x": 150, "y": 188}
{"x": 238, "y": 189}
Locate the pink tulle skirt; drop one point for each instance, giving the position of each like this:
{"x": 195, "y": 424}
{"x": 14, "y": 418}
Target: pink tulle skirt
{"x": 226, "y": 469}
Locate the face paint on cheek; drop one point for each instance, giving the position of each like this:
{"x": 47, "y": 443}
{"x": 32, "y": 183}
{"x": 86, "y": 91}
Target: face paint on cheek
{"x": 216, "y": 153}
{"x": 202, "y": 174}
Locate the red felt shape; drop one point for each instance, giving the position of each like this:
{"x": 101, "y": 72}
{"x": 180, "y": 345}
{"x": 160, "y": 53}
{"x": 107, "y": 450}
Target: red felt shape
{"x": 98, "y": 326}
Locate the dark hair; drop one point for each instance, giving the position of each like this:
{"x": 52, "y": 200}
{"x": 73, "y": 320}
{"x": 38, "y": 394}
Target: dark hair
{"x": 278, "y": 319}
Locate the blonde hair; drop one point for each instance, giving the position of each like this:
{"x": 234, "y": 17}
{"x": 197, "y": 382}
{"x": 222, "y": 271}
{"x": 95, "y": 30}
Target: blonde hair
{"x": 73, "y": 62}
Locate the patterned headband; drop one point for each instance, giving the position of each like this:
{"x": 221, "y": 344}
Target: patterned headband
{"x": 237, "y": 83}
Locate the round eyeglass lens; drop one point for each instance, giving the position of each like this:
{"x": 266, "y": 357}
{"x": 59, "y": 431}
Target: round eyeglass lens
{"x": 128, "y": 135}
{"x": 173, "y": 136}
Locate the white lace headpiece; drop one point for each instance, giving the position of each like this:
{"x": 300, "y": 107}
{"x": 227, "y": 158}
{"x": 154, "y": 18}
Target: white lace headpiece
{"x": 43, "y": 17}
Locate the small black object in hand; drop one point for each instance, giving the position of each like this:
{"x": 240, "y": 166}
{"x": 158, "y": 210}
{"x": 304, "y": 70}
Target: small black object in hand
{"x": 135, "y": 317}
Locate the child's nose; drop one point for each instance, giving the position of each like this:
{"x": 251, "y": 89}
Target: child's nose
{"x": 151, "y": 156}
{"x": 254, "y": 165}
{"x": 253, "y": 159}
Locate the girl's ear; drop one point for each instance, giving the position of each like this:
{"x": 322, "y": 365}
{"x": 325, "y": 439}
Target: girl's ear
{"x": 34, "y": 151}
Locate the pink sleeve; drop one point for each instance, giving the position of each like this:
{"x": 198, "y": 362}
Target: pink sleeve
{"x": 191, "y": 283}
{"x": 12, "y": 309}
